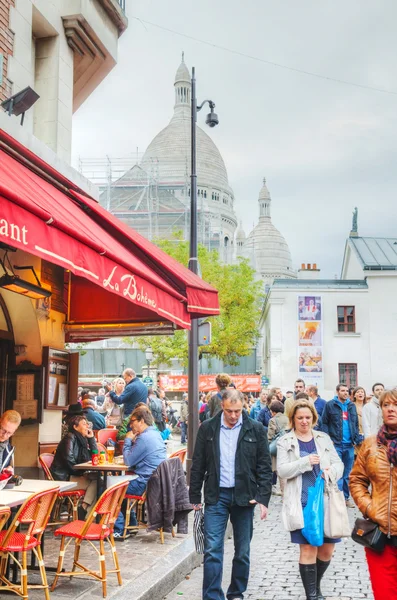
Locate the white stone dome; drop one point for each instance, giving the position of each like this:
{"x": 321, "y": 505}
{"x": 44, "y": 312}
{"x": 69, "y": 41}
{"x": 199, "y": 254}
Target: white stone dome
{"x": 266, "y": 246}
{"x": 168, "y": 155}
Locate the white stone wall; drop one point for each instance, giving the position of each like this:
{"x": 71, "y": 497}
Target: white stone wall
{"x": 280, "y": 329}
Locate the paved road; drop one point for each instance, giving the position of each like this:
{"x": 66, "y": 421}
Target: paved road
{"x": 274, "y": 567}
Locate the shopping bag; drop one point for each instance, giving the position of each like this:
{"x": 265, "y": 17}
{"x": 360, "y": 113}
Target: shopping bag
{"x": 198, "y": 530}
{"x": 313, "y": 513}
{"x": 336, "y": 520}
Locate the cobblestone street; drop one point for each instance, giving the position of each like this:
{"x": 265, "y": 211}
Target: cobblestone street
{"x": 274, "y": 567}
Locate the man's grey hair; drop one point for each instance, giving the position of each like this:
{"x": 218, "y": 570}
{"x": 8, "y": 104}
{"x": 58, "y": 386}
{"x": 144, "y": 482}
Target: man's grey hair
{"x": 233, "y": 396}
{"x": 101, "y": 392}
{"x": 89, "y": 402}
{"x": 129, "y": 372}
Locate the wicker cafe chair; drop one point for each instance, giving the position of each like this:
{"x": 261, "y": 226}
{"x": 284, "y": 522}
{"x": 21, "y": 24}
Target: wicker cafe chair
{"x": 181, "y": 454}
{"x": 107, "y": 508}
{"x": 32, "y": 518}
{"x": 72, "y": 496}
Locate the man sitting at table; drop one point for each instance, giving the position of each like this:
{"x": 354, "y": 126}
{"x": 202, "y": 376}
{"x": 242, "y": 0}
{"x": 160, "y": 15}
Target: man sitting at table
{"x": 143, "y": 451}
{"x": 9, "y": 423}
{"x": 74, "y": 448}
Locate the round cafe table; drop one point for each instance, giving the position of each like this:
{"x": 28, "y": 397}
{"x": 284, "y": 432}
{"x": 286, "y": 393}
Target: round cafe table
{"x": 104, "y": 468}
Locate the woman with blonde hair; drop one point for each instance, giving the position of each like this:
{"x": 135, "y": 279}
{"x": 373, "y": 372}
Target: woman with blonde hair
{"x": 373, "y": 486}
{"x": 115, "y": 413}
{"x": 301, "y": 454}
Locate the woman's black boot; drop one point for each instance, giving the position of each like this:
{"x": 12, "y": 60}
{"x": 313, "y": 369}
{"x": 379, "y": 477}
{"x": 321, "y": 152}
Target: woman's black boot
{"x": 309, "y": 578}
{"x": 322, "y": 566}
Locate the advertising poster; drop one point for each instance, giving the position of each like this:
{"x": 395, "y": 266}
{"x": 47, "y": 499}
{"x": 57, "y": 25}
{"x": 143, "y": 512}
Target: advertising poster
{"x": 179, "y": 383}
{"x": 310, "y": 340}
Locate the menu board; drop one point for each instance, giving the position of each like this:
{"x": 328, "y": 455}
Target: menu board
{"x": 57, "y": 366}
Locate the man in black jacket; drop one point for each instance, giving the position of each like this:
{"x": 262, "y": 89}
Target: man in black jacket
{"x": 231, "y": 457}
{"x": 134, "y": 392}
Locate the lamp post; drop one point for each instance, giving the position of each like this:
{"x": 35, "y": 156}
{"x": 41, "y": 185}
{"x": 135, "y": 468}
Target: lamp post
{"x": 149, "y": 358}
{"x": 211, "y": 120}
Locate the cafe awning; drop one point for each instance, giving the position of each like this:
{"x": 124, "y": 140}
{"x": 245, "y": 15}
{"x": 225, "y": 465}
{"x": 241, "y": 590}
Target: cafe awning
{"x": 119, "y": 282}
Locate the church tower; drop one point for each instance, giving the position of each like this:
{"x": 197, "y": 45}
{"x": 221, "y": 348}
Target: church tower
{"x": 266, "y": 247}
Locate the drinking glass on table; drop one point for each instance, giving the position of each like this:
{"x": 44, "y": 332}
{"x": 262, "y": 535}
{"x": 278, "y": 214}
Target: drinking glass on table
{"x": 110, "y": 451}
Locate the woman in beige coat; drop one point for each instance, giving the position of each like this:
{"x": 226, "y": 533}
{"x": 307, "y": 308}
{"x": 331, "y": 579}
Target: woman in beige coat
{"x": 301, "y": 454}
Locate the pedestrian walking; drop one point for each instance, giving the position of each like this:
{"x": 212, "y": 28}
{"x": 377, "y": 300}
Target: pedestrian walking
{"x": 264, "y": 414}
{"x": 231, "y": 456}
{"x": 260, "y": 404}
{"x": 183, "y": 418}
{"x": 299, "y": 387}
{"x": 339, "y": 420}
{"x": 301, "y": 454}
{"x": 359, "y": 397}
{"x": 319, "y": 403}
{"x": 373, "y": 485}
{"x": 278, "y": 424}
{"x": 222, "y": 381}
{"x": 372, "y": 413}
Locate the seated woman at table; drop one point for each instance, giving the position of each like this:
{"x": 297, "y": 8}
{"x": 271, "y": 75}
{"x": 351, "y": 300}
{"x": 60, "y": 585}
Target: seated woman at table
{"x": 76, "y": 447}
{"x": 143, "y": 451}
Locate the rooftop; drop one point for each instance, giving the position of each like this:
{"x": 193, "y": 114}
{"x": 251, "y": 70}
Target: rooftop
{"x": 375, "y": 253}
{"x": 329, "y": 284}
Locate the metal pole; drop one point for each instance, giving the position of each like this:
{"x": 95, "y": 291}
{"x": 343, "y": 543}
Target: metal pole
{"x": 193, "y": 333}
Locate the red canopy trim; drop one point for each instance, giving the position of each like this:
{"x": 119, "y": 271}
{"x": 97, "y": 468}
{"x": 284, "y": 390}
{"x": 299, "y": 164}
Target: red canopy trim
{"x": 23, "y": 230}
{"x": 202, "y": 298}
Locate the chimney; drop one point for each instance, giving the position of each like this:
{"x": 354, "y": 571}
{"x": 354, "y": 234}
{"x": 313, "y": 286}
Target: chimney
{"x": 309, "y": 271}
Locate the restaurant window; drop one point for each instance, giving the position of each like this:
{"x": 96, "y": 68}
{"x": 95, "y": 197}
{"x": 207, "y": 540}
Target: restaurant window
{"x": 346, "y": 319}
{"x": 348, "y": 374}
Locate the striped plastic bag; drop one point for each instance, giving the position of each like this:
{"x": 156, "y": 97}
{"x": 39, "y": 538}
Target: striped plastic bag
{"x": 198, "y": 530}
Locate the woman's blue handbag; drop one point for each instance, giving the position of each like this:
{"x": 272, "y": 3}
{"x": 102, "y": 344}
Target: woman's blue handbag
{"x": 313, "y": 513}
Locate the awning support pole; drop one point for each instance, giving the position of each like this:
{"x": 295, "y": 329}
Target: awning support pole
{"x": 193, "y": 333}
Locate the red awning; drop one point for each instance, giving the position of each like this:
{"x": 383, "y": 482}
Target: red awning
{"x": 202, "y": 298}
{"x": 114, "y": 281}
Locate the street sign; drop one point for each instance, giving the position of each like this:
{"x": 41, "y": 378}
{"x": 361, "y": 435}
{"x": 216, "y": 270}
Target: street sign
{"x": 265, "y": 380}
{"x": 204, "y": 334}
{"x": 148, "y": 381}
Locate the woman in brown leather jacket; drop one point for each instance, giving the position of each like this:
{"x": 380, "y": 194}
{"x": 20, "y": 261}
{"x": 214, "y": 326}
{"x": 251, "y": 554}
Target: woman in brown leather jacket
{"x": 375, "y": 467}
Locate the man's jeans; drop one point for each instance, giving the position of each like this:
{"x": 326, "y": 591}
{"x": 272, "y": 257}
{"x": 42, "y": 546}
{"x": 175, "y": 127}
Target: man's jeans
{"x": 136, "y": 487}
{"x": 183, "y": 432}
{"x": 346, "y": 454}
{"x": 216, "y": 517}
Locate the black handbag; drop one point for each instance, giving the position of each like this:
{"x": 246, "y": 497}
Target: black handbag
{"x": 368, "y": 534}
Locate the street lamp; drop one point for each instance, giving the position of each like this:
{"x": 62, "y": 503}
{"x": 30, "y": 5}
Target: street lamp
{"x": 149, "y": 358}
{"x": 211, "y": 120}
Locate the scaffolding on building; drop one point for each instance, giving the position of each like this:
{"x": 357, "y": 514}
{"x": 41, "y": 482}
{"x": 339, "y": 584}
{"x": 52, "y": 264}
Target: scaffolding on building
{"x": 156, "y": 208}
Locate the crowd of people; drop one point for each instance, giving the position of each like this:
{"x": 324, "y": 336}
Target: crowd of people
{"x": 349, "y": 440}
{"x": 246, "y": 450}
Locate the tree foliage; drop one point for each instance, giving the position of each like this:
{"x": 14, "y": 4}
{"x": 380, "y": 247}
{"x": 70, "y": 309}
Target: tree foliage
{"x": 235, "y": 330}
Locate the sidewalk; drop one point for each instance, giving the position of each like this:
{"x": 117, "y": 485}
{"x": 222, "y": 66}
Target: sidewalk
{"x": 149, "y": 569}
{"x": 274, "y": 566}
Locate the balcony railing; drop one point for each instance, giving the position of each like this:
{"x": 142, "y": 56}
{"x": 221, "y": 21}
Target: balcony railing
{"x": 122, "y": 4}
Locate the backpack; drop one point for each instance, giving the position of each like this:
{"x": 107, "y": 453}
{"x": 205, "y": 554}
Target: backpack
{"x": 156, "y": 408}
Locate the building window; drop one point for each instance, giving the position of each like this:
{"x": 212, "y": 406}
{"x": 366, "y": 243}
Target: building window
{"x": 346, "y": 319}
{"x": 348, "y": 374}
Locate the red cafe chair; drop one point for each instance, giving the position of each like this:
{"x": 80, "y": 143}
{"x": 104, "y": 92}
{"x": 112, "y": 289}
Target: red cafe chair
{"x": 107, "y": 508}
{"x": 103, "y": 435}
{"x": 24, "y": 535}
{"x": 72, "y": 496}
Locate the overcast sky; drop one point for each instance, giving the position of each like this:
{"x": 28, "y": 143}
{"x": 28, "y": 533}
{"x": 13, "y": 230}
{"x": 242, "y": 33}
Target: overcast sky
{"x": 324, "y": 147}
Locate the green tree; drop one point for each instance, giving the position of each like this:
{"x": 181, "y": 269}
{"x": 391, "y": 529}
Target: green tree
{"x": 235, "y": 330}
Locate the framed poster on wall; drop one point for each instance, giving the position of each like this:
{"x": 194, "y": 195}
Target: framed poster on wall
{"x": 26, "y": 391}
